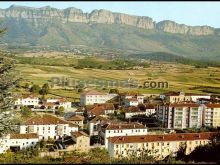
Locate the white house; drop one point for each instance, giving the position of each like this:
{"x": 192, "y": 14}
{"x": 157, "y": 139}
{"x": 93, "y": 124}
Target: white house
{"x": 27, "y": 101}
{"x": 132, "y": 111}
{"x": 127, "y": 95}
{"x": 56, "y": 103}
{"x": 17, "y": 142}
{"x": 121, "y": 129}
{"x": 150, "y": 109}
{"x": 131, "y": 102}
{"x": 48, "y": 126}
{"x": 95, "y": 123}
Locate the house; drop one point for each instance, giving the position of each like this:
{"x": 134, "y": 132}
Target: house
{"x": 82, "y": 141}
{"x": 159, "y": 145}
{"x": 150, "y": 109}
{"x": 174, "y": 97}
{"x": 77, "y": 119}
{"x": 121, "y": 129}
{"x": 211, "y": 115}
{"x": 131, "y": 102}
{"x": 48, "y": 127}
{"x": 93, "y": 97}
{"x": 56, "y": 103}
{"x": 99, "y": 109}
{"x": 95, "y": 123}
{"x": 132, "y": 95}
{"x": 132, "y": 111}
{"x": 180, "y": 115}
{"x": 79, "y": 111}
{"x": 16, "y": 142}
{"x": 27, "y": 100}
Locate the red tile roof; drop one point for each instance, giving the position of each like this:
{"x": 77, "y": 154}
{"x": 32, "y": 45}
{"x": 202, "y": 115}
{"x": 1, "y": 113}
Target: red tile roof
{"x": 76, "y": 118}
{"x": 120, "y": 126}
{"x": 99, "y": 118}
{"x": 45, "y": 120}
{"x": 149, "y": 106}
{"x": 99, "y": 109}
{"x": 132, "y": 99}
{"x": 78, "y": 134}
{"x": 183, "y": 105}
{"x": 132, "y": 109}
{"x": 212, "y": 105}
{"x": 24, "y": 136}
{"x": 158, "y": 138}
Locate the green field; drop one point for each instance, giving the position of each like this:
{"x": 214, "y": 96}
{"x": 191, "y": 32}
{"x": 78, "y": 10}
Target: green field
{"x": 178, "y": 76}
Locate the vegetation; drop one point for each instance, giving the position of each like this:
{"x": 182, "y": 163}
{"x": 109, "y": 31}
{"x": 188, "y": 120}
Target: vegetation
{"x": 8, "y": 80}
{"x": 25, "y": 112}
{"x": 60, "y": 111}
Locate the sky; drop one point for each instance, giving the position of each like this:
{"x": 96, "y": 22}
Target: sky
{"x": 189, "y": 13}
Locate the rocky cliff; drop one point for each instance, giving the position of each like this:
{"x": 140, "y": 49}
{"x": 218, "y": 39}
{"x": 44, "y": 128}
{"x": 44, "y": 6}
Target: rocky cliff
{"x": 36, "y": 15}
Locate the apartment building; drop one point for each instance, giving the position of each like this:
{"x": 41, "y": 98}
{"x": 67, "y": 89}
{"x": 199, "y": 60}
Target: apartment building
{"x": 94, "y": 97}
{"x": 159, "y": 145}
{"x": 211, "y": 115}
{"x": 174, "y": 97}
{"x": 180, "y": 115}
{"x": 16, "y": 142}
{"x": 121, "y": 129}
{"x": 48, "y": 127}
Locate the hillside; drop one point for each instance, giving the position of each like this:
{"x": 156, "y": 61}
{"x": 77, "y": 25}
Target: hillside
{"x": 103, "y": 29}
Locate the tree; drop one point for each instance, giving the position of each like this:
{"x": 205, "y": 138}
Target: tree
{"x": 8, "y": 81}
{"x": 60, "y": 111}
{"x": 45, "y": 89}
{"x": 25, "y": 111}
{"x": 114, "y": 91}
{"x": 35, "y": 88}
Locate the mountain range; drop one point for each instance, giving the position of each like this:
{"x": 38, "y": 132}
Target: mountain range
{"x": 105, "y": 29}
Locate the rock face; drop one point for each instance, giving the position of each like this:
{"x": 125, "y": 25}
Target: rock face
{"x": 36, "y": 15}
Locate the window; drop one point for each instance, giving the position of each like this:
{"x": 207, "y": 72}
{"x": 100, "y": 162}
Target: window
{"x": 117, "y": 146}
{"x": 158, "y": 144}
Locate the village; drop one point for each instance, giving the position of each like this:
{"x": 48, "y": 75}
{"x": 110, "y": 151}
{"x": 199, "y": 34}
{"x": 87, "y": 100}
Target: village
{"x": 122, "y": 123}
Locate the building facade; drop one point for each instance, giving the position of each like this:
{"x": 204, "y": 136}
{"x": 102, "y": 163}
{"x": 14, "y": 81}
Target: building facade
{"x": 121, "y": 129}
{"x": 48, "y": 127}
{"x": 159, "y": 146}
{"x": 180, "y": 115}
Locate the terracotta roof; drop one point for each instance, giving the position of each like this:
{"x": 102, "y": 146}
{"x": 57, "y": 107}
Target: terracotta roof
{"x": 158, "y": 138}
{"x": 149, "y": 106}
{"x": 97, "y": 118}
{"x": 24, "y": 136}
{"x": 76, "y": 118}
{"x": 117, "y": 126}
{"x": 132, "y": 109}
{"x": 73, "y": 125}
{"x": 212, "y": 105}
{"x": 45, "y": 120}
{"x": 184, "y": 105}
{"x": 99, "y": 109}
{"x": 92, "y": 92}
{"x": 78, "y": 134}
{"x": 132, "y": 99}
